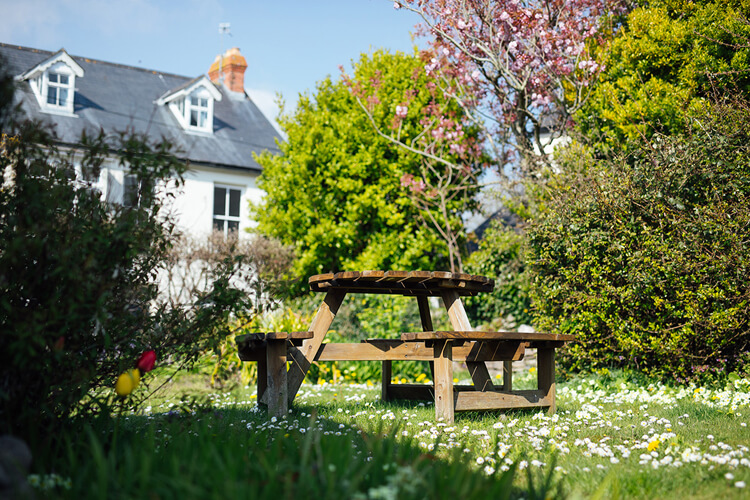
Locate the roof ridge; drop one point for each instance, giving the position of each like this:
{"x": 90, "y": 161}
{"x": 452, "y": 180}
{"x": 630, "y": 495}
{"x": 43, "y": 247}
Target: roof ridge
{"x": 96, "y": 61}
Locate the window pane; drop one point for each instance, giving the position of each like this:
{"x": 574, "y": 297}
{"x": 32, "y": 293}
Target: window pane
{"x": 130, "y": 191}
{"x": 218, "y": 225}
{"x": 64, "y": 79}
{"x": 233, "y": 225}
{"x": 63, "y": 97}
{"x": 234, "y": 202}
{"x": 51, "y": 95}
{"x": 194, "y": 117}
{"x": 54, "y": 77}
{"x": 202, "y": 119}
{"x": 220, "y": 200}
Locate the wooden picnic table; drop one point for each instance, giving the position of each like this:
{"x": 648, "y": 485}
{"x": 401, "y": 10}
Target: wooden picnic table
{"x": 440, "y": 348}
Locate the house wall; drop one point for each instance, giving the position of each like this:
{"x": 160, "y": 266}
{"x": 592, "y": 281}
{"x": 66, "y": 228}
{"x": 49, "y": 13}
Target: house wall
{"x": 193, "y": 205}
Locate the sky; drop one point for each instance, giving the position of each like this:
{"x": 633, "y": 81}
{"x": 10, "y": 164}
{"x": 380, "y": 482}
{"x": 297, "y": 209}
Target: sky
{"x": 289, "y": 45}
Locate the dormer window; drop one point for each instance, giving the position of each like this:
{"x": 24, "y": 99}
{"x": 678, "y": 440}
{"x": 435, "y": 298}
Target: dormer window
{"x": 58, "y": 89}
{"x": 53, "y": 83}
{"x": 193, "y": 104}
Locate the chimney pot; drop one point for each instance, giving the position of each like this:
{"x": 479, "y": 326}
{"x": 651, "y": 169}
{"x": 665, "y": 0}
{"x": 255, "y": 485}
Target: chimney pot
{"x": 231, "y": 65}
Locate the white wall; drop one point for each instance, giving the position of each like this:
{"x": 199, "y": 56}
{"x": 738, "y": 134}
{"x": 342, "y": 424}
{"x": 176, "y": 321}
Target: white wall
{"x": 193, "y": 205}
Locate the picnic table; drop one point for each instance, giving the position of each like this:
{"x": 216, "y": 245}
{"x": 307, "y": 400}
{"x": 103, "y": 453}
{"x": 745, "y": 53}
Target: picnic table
{"x": 280, "y": 385}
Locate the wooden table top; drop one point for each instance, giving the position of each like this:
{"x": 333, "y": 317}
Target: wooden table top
{"x": 425, "y": 283}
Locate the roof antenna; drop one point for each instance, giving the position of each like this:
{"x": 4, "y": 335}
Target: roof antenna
{"x": 224, "y": 29}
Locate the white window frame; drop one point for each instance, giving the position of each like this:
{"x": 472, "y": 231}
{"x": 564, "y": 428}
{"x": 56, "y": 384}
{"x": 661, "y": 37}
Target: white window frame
{"x": 226, "y": 218}
{"x": 200, "y": 103}
{"x": 54, "y": 84}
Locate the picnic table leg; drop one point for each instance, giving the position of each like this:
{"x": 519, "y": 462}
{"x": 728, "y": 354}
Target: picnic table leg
{"x": 507, "y": 376}
{"x": 460, "y": 322}
{"x": 546, "y": 374}
{"x": 262, "y": 377}
{"x": 386, "y": 380}
{"x": 304, "y": 356}
{"x": 277, "y": 379}
{"x": 443, "y": 354}
{"x": 426, "y": 317}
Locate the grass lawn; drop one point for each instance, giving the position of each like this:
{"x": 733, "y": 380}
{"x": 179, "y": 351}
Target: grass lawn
{"x": 610, "y": 438}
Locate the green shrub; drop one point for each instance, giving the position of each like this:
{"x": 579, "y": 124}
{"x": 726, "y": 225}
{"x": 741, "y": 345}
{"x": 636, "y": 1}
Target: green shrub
{"x": 646, "y": 257}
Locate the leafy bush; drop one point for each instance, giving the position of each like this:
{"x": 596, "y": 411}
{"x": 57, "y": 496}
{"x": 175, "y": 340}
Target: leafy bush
{"x": 78, "y": 277}
{"x": 646, "y": 257}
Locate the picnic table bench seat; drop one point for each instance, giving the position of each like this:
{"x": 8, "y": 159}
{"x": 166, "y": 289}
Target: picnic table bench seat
{"x": 270, "y": 350}
{"x": 449, "y": 398}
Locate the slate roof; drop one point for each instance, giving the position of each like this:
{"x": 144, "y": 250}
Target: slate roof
{"x": 116, "y": 97}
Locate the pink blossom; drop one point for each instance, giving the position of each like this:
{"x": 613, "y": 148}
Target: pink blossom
{"x": 401, "y": 111}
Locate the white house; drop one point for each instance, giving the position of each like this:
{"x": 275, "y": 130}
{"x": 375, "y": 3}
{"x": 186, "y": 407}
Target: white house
{"x": 211, "y": 120}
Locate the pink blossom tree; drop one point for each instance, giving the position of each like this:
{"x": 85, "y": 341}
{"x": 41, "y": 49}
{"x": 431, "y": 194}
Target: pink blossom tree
{"x": 520, "y": 69}
{"x": 516, "y": 71}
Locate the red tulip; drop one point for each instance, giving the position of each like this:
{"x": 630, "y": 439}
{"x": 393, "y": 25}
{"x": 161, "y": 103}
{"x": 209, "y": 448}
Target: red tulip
{"x": 146, "y": 362}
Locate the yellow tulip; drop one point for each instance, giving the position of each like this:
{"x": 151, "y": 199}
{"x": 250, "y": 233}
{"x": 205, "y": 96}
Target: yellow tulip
{"x": 127, "y": 382}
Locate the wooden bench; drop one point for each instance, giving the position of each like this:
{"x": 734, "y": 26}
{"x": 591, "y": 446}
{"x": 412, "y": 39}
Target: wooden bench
{"x": 449, "y": 399}
{"x": 271, "y": 350}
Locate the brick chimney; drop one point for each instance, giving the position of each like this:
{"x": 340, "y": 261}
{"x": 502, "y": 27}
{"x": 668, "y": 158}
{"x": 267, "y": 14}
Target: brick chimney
{"x": 231, "y": 65}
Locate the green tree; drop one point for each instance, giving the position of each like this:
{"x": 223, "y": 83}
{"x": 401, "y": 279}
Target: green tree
{"x": 668, "y": 58}
{"x": 336, "y": 192}
{"x": 645, "y": 256}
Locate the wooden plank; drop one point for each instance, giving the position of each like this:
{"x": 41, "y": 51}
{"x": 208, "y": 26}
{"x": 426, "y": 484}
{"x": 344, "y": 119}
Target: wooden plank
{"x": 413, "y": 277}
{"x": 480, "y": 376}
{"x": 426, "y": 318}
{"x": 507, "y": 376}
{"x": 401, "y": 282}
{"x": 347, "y": 275}
{"x": 289, "y": 335}
{"x": 456, "y": 313}
{"x": 304, "y": 356}
{"x": 536, "y": 337}
{"x": 420, "y": 392}
{"x": 385, "y": 380}
{"x": 475, "y": 400}
{"x": 277, "y": 378}
{"x": 424, "y": 313}
{"x": 411, "y": 392}
{"x": 396, "y": 276}
{"x": 396, "y": 350}
{"x": 370, "y": 275}
{"x": 320, "y": 278}
{"x": 262, "y": 382}
{"x": 460, "y": 321}
{"x": 443, "y": 381}
{"x": 545, "y": 359}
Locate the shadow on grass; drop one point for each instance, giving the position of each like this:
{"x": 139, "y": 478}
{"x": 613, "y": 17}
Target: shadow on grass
{"x": 240, "y": 453}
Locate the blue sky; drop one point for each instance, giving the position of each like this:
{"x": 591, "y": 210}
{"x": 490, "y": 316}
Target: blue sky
{"x": 289, "y": 44}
